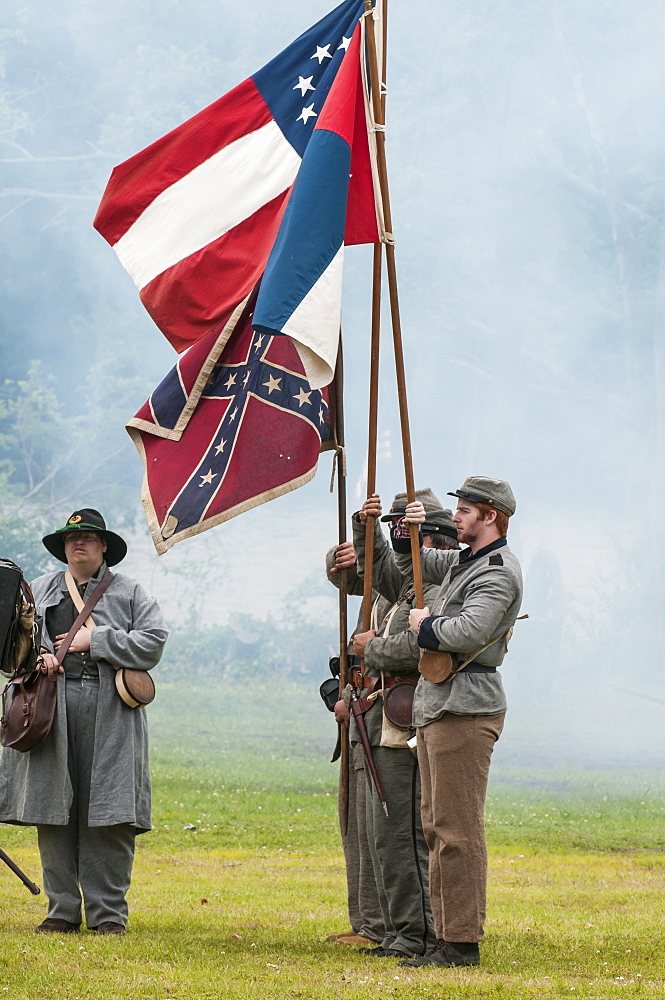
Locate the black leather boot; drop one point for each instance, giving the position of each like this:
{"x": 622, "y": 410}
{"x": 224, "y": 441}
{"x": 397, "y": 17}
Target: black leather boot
{"x": 448, "y": 954}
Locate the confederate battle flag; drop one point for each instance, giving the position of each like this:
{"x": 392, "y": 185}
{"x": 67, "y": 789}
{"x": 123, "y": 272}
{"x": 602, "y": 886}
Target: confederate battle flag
{"x": 232, "y": 426}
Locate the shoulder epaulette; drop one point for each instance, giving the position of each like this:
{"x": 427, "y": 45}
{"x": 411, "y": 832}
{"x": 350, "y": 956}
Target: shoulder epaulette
{"x": 496, "y": 559}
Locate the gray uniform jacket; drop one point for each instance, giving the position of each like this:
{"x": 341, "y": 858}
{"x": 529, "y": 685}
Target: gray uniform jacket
{"x": 380, "y": 605}
{"x": 478, "y": 601}
{"x": 397, "y": 652}
{"x": 395, "y": 649}
{"x": 35, "y": 786}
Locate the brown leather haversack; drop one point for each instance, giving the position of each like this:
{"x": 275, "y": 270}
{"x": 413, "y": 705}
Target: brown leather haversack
{"x": 28, "y": 710}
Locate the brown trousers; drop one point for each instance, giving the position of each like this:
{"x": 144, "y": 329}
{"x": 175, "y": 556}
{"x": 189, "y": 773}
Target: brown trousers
{"x": 454, "y": 755}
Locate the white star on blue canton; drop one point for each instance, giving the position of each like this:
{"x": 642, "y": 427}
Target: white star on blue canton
{"x": 232, "y": 417}
{"x": 322, "y": 53}
{"x": 344, "y": 44}
{"x": 304, "y": 84}
{"x": 306, "y": 114}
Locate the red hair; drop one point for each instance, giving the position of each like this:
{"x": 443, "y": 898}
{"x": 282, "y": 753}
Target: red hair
{"x": 501, "y": 521}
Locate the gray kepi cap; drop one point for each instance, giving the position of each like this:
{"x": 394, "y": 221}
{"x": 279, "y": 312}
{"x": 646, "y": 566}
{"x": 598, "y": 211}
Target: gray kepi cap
{"x": 439, "y": 522}
{"x": 427, "y": 498}
{"x": 480, "y": 489}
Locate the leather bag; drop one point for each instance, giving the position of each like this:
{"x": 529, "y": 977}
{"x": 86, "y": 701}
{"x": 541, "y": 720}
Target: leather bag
{"x": 29, "y": 699}
{"x": 28, "y": 710}
{"x": 20, "y": 626}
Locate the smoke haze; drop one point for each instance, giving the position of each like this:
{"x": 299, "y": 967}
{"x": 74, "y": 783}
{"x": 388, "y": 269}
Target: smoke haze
{"x": 525, "y": 144}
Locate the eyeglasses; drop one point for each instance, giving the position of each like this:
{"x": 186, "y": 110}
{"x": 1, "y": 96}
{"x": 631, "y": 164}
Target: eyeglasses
{"x": 82, "y": 536}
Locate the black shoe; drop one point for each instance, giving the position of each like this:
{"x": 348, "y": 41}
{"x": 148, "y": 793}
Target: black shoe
{"x": 54, "y": 926}
{"x": 419, "y": 960}
{"x": 447, "y": 955}
{"x": 382, "y": 952}
{"x": 110, "y": 928}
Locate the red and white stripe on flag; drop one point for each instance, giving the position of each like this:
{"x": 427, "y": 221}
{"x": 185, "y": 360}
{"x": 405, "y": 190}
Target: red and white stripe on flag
{"x": 193, "y": 217}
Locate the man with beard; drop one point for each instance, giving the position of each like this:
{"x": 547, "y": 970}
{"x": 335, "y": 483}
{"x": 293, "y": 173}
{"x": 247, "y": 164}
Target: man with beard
{"x": 459, "y": 720}
{"x": 390, "y": 652}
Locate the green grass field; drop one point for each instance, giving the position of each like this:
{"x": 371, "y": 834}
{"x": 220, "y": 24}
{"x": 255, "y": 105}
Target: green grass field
{"x": 241, "y": 905}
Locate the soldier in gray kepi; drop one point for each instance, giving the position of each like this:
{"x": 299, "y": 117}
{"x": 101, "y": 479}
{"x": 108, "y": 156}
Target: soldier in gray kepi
{"x": 494, "y": 492}
{"x": 459, "y": 720}
{"x": 390, "y": 653}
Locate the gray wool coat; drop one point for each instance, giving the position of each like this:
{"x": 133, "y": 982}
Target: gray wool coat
{"x": 395, "y": 649}
{"x": 477, "y": 603}
{"x": 35, "y": 786}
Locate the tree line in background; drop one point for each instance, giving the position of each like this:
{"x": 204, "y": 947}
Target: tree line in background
{"x": 532, "y": 271}
{"x": 57, "y": 455}
{"x": 250, "y": 649}
{"x": 53, "y": 461}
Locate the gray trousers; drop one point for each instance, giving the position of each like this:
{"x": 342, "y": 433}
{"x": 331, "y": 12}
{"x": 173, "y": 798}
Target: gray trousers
{"x": 363, "y": 900}
{"x": 454, "y": 755}
{"x": 93, "y": 863}
{"x": 399, "y": 852}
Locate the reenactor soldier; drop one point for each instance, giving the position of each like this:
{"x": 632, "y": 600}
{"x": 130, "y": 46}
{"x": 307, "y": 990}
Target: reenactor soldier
{"x": 390, "y": 653}
{"x": 87, "y": 786}
{"x": 363, "y": 901}
{"x": 459, "y": 720}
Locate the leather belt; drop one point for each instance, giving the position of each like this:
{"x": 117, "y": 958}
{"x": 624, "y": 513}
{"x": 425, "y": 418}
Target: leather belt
{"x": 360, "y": 680}
{"x": 478, "y": 668}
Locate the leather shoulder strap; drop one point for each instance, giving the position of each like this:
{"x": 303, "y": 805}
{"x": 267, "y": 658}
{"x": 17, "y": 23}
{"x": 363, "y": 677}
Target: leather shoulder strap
{"x": 87, "y": 608}
{"x": 504, "y": 635}
{"x": 75, "y": 595}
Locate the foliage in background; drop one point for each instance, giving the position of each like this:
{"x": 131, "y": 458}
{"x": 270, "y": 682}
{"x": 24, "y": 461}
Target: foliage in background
{"x": 531, "y": 266}
{"x": 250, "y": 648}
{"x": 62, "y": 450}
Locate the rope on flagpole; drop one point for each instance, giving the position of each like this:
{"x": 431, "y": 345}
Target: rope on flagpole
{"x": 339, "y": 455}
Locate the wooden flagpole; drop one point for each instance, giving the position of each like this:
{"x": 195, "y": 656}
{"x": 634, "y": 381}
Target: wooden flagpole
{"x": 343, "y": 732}
{"x": 372, "y": 432}
{"x": 378, "y": 107}
{"x": 375, "y": 341}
